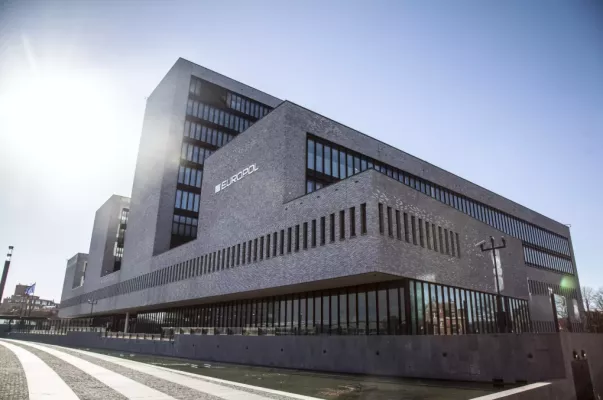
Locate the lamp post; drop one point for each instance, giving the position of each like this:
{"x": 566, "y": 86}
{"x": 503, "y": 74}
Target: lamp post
{"x": 5, "y": 271}
{"x": 501, "y": 316}
{"x": 92, "y": 302}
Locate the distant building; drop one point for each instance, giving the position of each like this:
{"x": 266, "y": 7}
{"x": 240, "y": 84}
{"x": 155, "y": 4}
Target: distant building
{"x": 20, "y": 304}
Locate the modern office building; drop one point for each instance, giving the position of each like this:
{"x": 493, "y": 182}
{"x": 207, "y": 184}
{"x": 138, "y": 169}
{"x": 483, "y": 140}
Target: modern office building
{"x": 252, "y": 215}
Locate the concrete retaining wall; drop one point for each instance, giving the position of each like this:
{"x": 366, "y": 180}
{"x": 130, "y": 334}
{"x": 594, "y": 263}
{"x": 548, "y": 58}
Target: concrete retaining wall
{"x": 511, "y": 358}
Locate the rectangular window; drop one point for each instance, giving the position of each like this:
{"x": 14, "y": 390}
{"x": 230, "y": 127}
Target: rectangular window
{"x": 244, "y": 254}
{"x": 446, "y": 241}
{"x": 421, "y": 233}
{"x": 255, "y": 250}
{"x": 239, "y": 254}
{"x": 390, "y": 222}
{"x": 296, "y": 237}
{"x": 350, "y": 165}
{"x": 352, "y": 221}
{"x": 268, "y": 246}
{"x": 313, "y": 233}
{"x": 282, "y": 242}
{"x": 428, "y": 234}
{"x": 305, "y": 237}
{"x": 413, "y": 226}
{"x": 327, "y": 152}
{"x": 406, "y": 230}
{"x": 398, "y": 226}
{"x": 319, "y": 159}
{"x": 289, "y": 240}
{"x": 332, "y": 226}
{"x": 322, "y": 231}
{"x": 441, "y": 239}
{"x": 363, "y": 218}
{"x": 381, "y": 218}
{"x": 335, "y": 164}
{"x": 261, "y": 247}
{"x": 452, "y": 246}
{"x": 274, "y": 245}
{"x": 311, "y": 154}
{"x": 250, "y": 251}
{"x": 342, "y": 168}
{"x": 341, "y": 224}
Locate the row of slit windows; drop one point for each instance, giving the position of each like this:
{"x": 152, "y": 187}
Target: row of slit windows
{"x": 331, "y": 162}
{"x": 190, "y": 176}
{"x": 544, "y": 289}
{"x": 246, "y": 106}
{"x": 402, "y": 307}
{"x": 184, "y": 226}
{"x": 233, "y": 101}
{"x": 217, "y": 116}
{"x": 302, "y": 236}
{"x": 415, "y": 230}
{"x": 187, "y": 200}
{"x": 195, "y": 154}
{"x": 540, "y": 259}
{"x": 208, "y": 135}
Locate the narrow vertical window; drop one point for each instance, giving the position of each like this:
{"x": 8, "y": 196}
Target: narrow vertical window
{"x": 352, "y": 221}
{"x": 341, "y": 224}
{"x": 398, "y": 226}
{"x": 322, "y": 231}
{"x": 274, "y": 245}
{"x": 289, "y": 237}
{"x": 452, "y": 246}
{"x": 313, "y": 233}
{"x": 406, "y": 230}
{"x": 244, "y": 253}
{"x": 305, "y": 233}
{"x": 428, "y": 234}
{"x": 381, "y": 218}
{"x": 249, "y": 251}
{"x": 268, "y": 246}
{"x": 255, "y": 250}
{"x": 441, "y": 239}
{"x": 282, "y": 242}
{"x": 296, "y": 237}
{"x": 446, "y": 241}
{"x": 239, "y": 254}
{"x": 319, "y": 158}
{"x": 261, "y": 247}
{"x": 413, "y": 226}
{"x": 363, "y": 218}
{"x": 311, "y": 154}
{"x": 390, "y": 228}
{"x": 421, "y": 233}
{"x": 332, "y": 226}
{"x": 435, "y": 237}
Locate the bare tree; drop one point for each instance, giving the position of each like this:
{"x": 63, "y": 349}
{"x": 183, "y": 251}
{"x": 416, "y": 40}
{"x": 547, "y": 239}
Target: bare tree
{"x": 598, "y": 300}
{"x": 589, "y": 296}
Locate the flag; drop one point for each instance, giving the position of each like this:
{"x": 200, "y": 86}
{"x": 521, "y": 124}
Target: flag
{"x": 30, "y": 290}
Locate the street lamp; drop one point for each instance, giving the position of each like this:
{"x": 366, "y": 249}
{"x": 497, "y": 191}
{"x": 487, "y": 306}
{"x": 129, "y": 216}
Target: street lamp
{"x": 501, "y": 316}
{"x": 5, "y": 271}
{"x": 92, "y": 302}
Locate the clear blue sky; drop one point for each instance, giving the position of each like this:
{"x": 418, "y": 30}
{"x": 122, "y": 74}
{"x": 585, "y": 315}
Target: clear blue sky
{"x": 507, "y": 94}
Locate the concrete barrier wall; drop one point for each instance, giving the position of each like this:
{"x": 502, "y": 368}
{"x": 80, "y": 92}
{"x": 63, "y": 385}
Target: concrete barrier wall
{"x": 528, "y": 357}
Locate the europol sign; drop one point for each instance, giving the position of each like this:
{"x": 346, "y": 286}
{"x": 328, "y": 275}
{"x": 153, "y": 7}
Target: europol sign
{"x": 235, "y": 178}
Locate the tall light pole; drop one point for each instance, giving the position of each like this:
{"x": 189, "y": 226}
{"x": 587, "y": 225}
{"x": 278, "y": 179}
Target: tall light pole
{"x": 92, "y": 302}
{"x": 501, "y": 316}
{"x": 5, "y": 271}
